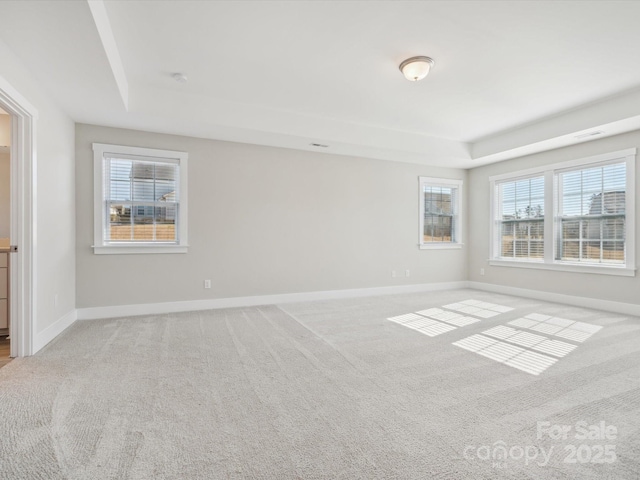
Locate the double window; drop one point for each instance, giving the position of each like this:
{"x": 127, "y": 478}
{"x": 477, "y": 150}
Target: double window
{"x": 440, "y": 213}
{"x": 140, "y": 200}
{"x": 577, "y": 215}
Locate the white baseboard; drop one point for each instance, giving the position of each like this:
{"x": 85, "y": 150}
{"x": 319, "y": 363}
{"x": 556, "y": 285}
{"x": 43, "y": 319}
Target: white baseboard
{"x": 53, "y": 330}
{"x": 595, "y": 303}
{"x": 193, "y": 305}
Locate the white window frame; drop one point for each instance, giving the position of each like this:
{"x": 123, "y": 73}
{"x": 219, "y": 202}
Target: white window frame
{"x": 550, "y": 173}
{"x": 457, "y": 227}
{"x": 100, "y": 246}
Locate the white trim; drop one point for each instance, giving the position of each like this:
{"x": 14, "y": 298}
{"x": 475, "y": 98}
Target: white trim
{"x": 532, "y": 172}
{"x": 194, "y": 305}
{"x": 143, "y": 248}
{"x": 551, "y": 195}
{"x": 441, "y": 246}
{"x": 600, "y": 269}
{"x": 53, "y": 330}
{"x": 102, "y": 151}
{"x": 587, "y": 302}
{"x": 23, "y": 282}
{"x": 103, "y": 25}
{"x": 457, "y": 228}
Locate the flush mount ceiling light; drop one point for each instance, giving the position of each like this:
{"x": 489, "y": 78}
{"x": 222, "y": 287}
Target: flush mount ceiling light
{"x": 416, "y": 68}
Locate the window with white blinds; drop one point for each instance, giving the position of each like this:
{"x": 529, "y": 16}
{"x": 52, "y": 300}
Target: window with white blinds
{"x": 140, "y": 203}
{"x": 440, "y": 213}
{"x": 592, "y": 214}
{"x": 521, "y": 218}
{"x": 576, "y": 216}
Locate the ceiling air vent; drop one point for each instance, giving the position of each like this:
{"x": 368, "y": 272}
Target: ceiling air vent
{"x": 589, "y": 134}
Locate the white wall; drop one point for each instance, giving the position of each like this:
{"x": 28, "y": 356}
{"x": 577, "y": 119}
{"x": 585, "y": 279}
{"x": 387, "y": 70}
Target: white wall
{"x": 594, "y": 286}
{"x": 5, "y": 183}
{"x": 266, "y": 220}
{"x": 55, "y": 207}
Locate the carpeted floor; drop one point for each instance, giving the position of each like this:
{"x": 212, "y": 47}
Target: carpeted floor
{"x": 332, "y": 390}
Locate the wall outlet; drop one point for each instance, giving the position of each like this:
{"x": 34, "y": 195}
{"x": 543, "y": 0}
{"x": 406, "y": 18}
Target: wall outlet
{"x": 407, "y": 272}
{"x": 393, "y": 274}
{"x": 482, "y": 271}
{"x": 207, "y": 284}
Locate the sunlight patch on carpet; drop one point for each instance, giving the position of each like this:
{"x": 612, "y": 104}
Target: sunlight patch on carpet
{"x": 559, "y": 327}
{"x": 478, "y": 308}
{"x": 507, "y": 354}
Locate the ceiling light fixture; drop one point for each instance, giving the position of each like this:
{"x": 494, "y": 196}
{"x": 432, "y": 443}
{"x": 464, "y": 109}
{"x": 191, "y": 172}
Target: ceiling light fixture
{"x": 416, "y": 68}
{"x": 179, "y": 77}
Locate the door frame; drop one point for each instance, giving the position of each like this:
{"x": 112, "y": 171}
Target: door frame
{"x": 22, "y": 285}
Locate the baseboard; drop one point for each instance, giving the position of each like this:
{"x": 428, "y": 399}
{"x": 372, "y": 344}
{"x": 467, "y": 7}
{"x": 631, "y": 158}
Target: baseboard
{"x": 193, "y": 305}
{"x": 53, "y": 330}
{"x": 594, "y": 303}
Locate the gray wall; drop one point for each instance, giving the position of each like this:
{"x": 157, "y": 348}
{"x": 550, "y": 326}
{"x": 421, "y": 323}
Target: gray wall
{"x": 266, "y": 220}
{"x": 613, "y": 288}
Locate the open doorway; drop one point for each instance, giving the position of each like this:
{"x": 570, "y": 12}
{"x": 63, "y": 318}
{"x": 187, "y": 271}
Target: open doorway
{"x": 5, "y": 235}
{"x": 20, "y": 258}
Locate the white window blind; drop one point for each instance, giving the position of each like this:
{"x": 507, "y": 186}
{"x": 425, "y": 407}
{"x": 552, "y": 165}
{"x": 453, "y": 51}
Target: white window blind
{"x": 520, "y": 218}
{"x": 575, "y": 216}
{"x": 592, "y": 214}
{"x": 140, "y": 200}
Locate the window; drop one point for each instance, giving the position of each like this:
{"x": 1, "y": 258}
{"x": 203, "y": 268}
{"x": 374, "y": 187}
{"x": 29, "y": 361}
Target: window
{"x": 440, "y": 213}
{"x": 592, "y": 214}
{"x": 140, "y": 203}
{"x": 521, "y": 218}
{"x": 576, "y": 216}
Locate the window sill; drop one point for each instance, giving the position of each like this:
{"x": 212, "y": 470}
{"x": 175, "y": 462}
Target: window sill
{"x": 440, "y": 246}
{"x": 567, "y": 267}
{"x": 128, "y": 249}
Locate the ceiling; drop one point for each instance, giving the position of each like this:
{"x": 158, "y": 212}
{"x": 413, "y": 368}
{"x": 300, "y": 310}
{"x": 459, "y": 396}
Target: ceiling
{"x": 510, "y": 78}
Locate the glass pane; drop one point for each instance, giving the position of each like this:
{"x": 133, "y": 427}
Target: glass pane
{"x": 570, "y": 250}
{"x": 591, "y": 251}
{"x": 522, "y": 249}
{"x": 445, "y": 229}
{"x": 143, "y": 229}
{"x": 166, "y": 223}
{"x": 591, "y": 229}
{"x": 613, "y": 252}
{"x": 120, "y": 223}
{"x": 537, "y": 229}
{"x": 536, "y": 249}
{"x": 507, "y": 239}
{"x": 437, "y": 228}
{"x": 570, "y": 229}
{"x": 613, "y": 228}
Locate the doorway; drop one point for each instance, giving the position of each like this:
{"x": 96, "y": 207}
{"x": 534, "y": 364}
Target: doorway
{"x": 20, "y": 260}
{"x": 5, "y": 242}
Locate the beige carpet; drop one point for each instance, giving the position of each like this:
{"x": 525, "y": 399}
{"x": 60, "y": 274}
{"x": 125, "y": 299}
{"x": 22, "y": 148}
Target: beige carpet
{"x": 325, "y": 390}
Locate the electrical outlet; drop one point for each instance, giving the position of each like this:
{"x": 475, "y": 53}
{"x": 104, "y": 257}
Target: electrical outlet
{"x": 393, "y": 273}
{"x": 407, "y": 273}
{"x": 482, "y": 271}
{"x": 207, "y": 284}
